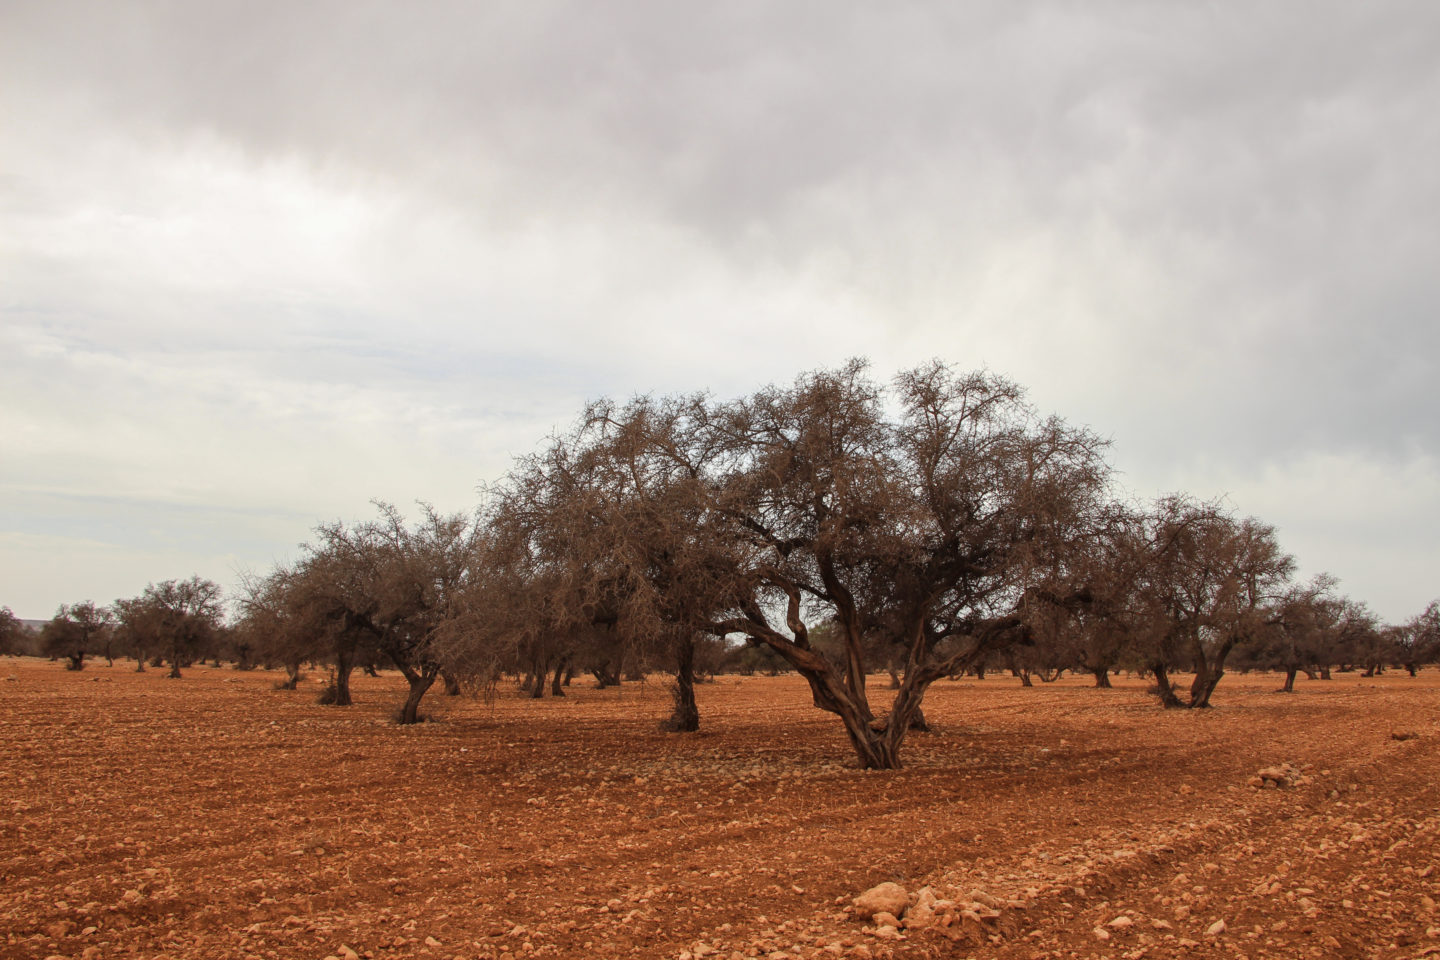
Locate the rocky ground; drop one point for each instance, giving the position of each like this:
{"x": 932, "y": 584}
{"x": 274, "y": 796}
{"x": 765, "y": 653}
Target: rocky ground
{"x": 214, "y": 816}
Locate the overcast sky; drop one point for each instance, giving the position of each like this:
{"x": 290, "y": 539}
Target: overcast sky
{"x": 262, "y": 262}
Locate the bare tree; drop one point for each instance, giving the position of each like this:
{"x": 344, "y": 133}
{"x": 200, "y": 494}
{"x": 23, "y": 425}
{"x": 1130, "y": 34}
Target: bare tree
{"x": 939, "y": 532}
{"x": 1418, "y": 642}
{"x": 12, "y": 631}
{"x": 1308, "y": 623}
{"x": 1215, "y": 585}
{"x": 382, "y": 587}
{"x": 272, "y": 627}
{"x": 179, "y": 617}
{"x": 75, "y": 630}
{"x": 419, "y": 574}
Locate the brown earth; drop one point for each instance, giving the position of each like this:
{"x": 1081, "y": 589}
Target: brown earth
{"x": 214, "y": 816}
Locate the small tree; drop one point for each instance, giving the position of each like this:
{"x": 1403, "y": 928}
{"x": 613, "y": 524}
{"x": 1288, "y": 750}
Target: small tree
{"x": 75, "y": 630}
{"x": 178, "y": 617}
{"x": 1419, "y": 640}
{"x": 419, "y": 573}
{"x": 270, "y": 627}
{"x": 1214, "y": 586}
{"x": 12, "y": 632}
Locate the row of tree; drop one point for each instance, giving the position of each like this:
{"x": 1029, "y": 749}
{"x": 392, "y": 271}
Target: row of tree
{"x": 174, "y": 623}
{"x": 837, "y": 527}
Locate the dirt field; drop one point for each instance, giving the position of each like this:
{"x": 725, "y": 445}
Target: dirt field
{"x": 217, "y": 817}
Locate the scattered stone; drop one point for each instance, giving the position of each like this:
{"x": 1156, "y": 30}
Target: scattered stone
{"x": 980, "y": 896}
{"x": 1215, "y": 929}
{"x": 347, "y": 954}
{"x": 920, "y": 916}
{"x": 1101, "y": 933}
{"x": 1285, "y": 775}
{"x": 1404, "y": 735}
{"x": 888, "y": 898}
{"x": 1120, "y": 922}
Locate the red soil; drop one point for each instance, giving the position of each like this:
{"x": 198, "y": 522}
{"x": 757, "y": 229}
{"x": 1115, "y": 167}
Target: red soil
{"x": 214, "y": 816}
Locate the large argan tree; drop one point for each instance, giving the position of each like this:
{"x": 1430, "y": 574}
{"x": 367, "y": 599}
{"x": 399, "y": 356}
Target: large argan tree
{"x": 931, "y": 520}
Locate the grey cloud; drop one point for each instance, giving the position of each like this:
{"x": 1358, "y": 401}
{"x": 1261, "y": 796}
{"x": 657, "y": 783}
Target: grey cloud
{"x": 1207, "y": 230}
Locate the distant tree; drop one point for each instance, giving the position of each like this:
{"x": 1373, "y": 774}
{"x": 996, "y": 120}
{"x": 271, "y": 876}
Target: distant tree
{"x": 328, "y": 598}
{"x": 380, "y": 588}
{"x": 1124, "y": 618}
{"x": 12, "y": 633}
{"x": 137, "y": 629}
{"x": 75, "y": 630}
{"x": 1214, "y": 588}
{"x": 1363, "y": 641}
{"x": 420, "y": 573}
{"x": 1418, "y": 641}
{"x": 176, "y": 617}
{"x": 270, "y": 628}
{"x": 749, "y": 658}
{"x": 1308, "y": 625}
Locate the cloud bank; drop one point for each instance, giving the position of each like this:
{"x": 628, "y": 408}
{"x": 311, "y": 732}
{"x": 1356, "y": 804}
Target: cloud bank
{"x": 262, "y": 262}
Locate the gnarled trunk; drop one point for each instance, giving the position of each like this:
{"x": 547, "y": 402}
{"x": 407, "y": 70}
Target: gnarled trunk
{"x": 1205, "y": 682}
{"x": 1165, "y": 688}
{"x": 1102, "y": 676}
{"x": 419, "y": 683}
{"x": 685, "y": 718}
{"x": 344, "y": 663}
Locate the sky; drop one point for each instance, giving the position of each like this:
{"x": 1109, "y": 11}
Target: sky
{"x": 263, "y": 262}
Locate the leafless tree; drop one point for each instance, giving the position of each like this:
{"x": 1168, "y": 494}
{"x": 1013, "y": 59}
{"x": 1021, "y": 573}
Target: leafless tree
{"x": 1215, "y": 585}
{"x": 179, "y": 617}
{"x": 75, "y": 630}
{"x": 1418, "y": 641}
{"x": 937, "y": 530}
{"x": 12, "y": 631}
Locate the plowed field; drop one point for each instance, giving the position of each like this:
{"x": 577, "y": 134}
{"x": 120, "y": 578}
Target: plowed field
{"x": 216, "y": 817}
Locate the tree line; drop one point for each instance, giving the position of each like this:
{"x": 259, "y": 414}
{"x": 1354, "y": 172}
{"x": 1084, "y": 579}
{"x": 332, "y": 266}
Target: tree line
{"x": 837, "y": 527}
